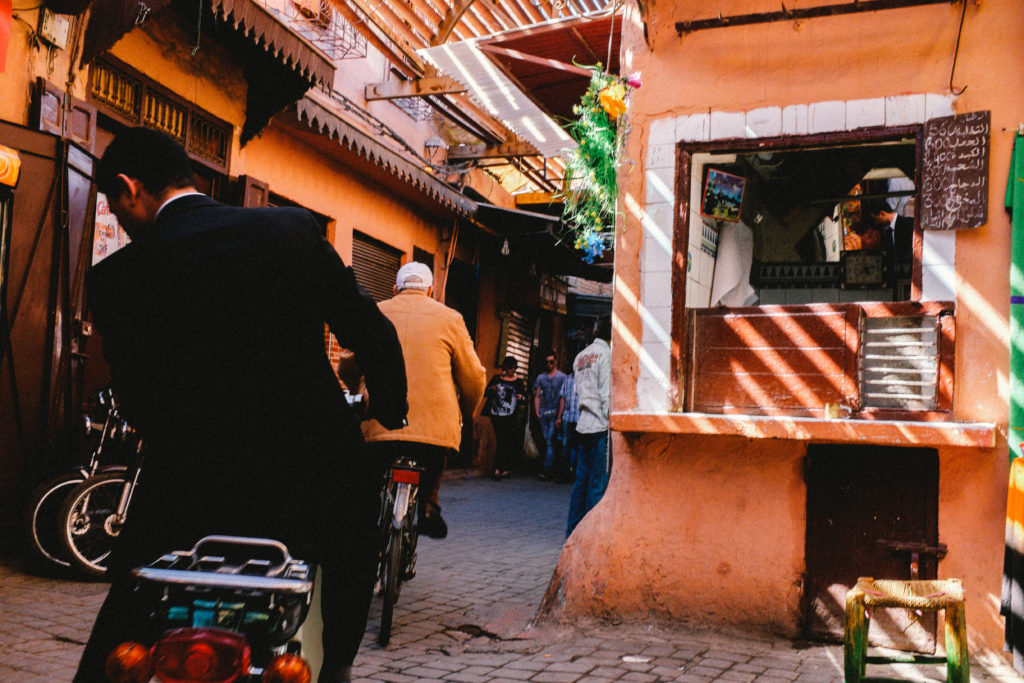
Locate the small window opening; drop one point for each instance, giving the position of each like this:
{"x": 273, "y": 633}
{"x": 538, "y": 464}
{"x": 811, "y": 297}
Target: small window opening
{"x": 825, "y": 224}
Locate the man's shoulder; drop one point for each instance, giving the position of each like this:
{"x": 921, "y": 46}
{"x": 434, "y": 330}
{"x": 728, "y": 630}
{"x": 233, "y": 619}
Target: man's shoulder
{"x": 420, "y": 303}
{"x": 196, "y": 213}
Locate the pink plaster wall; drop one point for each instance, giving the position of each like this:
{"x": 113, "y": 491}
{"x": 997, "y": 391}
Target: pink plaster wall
{"x": 710, "y": 529}
{"x": 653, "y": 546}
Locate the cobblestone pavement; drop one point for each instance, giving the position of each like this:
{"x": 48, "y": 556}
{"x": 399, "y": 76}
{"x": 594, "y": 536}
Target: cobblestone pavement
{"x": 466, "y": 616}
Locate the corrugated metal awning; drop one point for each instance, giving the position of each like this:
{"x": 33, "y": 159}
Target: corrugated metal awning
{"x": 317, "y": 114}
{"x": 538, "y": 235}
{"x": 496, "y": 92}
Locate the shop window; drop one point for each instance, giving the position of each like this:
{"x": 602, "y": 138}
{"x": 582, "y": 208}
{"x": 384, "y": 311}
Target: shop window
{"x": 799, "y": 287}
{"x": 795, "y": 226}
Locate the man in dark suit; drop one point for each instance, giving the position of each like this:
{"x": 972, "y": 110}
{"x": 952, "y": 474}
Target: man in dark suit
{"x": 213, "y": 326}
{"x": 896, "y": 237}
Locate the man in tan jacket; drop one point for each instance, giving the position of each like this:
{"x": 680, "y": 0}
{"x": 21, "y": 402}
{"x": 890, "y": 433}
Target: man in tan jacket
{"x": 446, "y": 383}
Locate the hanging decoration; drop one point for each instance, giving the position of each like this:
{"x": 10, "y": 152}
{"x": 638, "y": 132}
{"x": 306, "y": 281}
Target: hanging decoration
{"x": 591, "y": 186}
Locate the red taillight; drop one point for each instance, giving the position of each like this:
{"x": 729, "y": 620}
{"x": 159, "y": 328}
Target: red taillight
{"x": 405, "y": 476}
{"x": 200, "y": 655}
{"x": 129, "y": 663}
{"x": 287, "y": 669}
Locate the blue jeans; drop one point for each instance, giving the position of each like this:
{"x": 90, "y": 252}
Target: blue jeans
{"x": 550, "y": 432}
{"x": 593, "y": 466}
{"x": 570, "y": 446}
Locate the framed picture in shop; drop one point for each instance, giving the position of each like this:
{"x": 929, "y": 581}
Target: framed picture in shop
{"x": 722, "y": 196}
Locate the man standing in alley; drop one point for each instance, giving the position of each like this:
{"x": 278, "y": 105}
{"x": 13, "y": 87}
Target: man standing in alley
{"x": 213, "y": 326}
{"x": 546, "y": 390}
{"x": 446, "y": 384}
{"x": 593, "y": 371}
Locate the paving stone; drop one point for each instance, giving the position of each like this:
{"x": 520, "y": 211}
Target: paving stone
{"x": 554, "y": 677}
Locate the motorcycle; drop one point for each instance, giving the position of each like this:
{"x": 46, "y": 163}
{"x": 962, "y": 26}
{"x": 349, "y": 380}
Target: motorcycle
{"x": 229, "y": 610}
{"x": 112, "y": 447}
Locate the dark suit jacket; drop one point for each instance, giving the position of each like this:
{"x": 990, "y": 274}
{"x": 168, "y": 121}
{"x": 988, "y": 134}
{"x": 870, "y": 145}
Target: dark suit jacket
{"x": 903, "y": 239}
{"x": 214, "y": 328}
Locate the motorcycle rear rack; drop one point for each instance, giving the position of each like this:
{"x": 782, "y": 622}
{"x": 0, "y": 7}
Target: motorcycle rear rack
{"x": 238, "y": 572}
{"x": 249, "y": 584}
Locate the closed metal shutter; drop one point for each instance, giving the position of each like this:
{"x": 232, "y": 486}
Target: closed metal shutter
{"x": 376, "y": 265}
{"x": 517, "y": 341}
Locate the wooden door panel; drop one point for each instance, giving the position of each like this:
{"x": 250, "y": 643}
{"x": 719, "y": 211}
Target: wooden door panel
{"x": 857, "y": 495}
{"x": 777, "y": 327}
{"x": 788, "y": 361}
{"x": 768, "y": 393}
{"x": 774, "y": 360}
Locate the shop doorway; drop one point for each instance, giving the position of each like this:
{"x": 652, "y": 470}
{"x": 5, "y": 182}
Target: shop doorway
{"x": 868, "y": 509}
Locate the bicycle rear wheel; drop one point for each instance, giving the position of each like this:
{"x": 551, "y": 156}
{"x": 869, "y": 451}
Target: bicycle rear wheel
{"x": 89, "y": 522}
{"x": 43, "y": 513}
{"x": 391, "y": 565}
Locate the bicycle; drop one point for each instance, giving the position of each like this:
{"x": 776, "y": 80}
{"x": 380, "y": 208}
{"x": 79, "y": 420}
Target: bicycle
{"x": 398, "y": 537}
{"x": 42, "y": 518}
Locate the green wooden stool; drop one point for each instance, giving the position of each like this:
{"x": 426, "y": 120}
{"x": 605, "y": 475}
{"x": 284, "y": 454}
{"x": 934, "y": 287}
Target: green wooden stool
{"x": 926, "y": 596}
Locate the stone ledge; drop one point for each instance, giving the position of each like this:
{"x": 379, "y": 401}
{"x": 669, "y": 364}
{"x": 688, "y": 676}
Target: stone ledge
{"x": 882, "y": 432}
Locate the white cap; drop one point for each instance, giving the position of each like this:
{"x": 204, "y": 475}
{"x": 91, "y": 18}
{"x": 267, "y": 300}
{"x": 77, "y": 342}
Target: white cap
{"x": 414, "y": 275}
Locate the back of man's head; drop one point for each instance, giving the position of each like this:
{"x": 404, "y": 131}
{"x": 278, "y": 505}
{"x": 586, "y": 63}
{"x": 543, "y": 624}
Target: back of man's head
{"x": 153, "y": 158}
{"x": 603, "y": 328}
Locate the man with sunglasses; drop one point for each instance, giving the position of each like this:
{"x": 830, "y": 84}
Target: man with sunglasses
{"x": 546, "y": 390}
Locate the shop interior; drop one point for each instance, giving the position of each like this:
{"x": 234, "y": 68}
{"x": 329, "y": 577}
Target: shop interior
{"x": 825, "y": 224}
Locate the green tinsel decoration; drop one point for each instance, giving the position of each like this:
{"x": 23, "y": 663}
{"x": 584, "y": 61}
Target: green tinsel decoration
{"x": 591, "y": 188}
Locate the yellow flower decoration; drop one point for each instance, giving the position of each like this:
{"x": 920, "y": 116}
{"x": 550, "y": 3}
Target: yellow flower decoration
{"x": 613, "y": 100}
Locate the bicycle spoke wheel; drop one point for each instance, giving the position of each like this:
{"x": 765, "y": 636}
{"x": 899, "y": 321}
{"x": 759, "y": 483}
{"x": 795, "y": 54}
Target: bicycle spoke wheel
{"x": 89, "y": 522}
{"x": 43, "y": 513}
{"x": 392, "y": 579}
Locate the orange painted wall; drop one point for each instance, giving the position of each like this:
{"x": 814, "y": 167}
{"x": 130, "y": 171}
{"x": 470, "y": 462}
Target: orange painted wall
{"x": 326, "y": 186}
{"x": 710, "y": 529}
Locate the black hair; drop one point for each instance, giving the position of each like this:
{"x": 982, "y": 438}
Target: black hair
{"x": 153, "y": 158}
{"x": 510, "y": 363}
{"x": 875, "y": 205}
{"x": 603, "y": 328}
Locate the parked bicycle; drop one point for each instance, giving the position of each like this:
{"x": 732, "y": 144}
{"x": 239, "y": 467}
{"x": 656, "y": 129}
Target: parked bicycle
{"x": 112, "y": 443}
{"x": 398, "y": 537}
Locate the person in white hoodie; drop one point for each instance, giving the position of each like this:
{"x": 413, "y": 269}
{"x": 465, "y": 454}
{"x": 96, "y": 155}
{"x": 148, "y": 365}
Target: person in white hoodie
{"x": 593, "y": 371}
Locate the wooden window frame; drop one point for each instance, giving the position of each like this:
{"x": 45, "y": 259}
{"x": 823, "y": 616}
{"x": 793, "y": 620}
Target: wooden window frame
{"x": 197, "y": 120}
{"x": 684, "y": 319}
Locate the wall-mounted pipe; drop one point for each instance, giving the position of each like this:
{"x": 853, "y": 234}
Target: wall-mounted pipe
{"x": 802, "y": 13}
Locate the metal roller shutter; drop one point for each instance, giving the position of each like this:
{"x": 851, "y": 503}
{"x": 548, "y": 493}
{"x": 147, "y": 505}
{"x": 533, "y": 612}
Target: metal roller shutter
{"x": 517, "y": 340}
{"x": 376, "y": 265}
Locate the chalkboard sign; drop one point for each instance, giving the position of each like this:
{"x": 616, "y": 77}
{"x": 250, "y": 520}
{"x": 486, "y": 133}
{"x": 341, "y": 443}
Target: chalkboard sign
{"x": 954, "y": 188}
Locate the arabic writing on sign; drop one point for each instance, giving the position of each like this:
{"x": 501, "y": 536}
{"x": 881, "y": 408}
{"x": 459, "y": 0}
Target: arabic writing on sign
{"x": 954, "y": 187}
